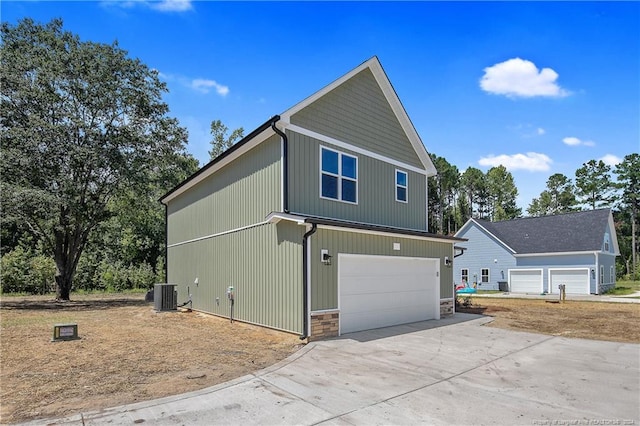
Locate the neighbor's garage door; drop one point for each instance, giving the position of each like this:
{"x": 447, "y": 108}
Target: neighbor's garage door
{"x": 380, "y": 291}
{"x": 525, "y": 280}
{"x": 575, "y": 280}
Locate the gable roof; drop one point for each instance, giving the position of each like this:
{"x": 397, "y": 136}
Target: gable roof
{"x": 563, "y": 233}
{"x": 266, "y": 129}
{"x": 373, "y": 64}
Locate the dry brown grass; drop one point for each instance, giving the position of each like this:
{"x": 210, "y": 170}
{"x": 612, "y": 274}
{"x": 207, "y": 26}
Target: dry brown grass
{"x": 616, "y": 322}
{"x": 127, "y": 353}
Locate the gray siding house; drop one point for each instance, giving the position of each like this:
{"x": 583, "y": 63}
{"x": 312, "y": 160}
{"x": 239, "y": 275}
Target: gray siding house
{"x": 537, "y": 254}
{"x": 317, "y": 220}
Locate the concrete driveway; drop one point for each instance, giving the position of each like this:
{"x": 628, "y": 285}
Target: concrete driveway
{"x": 451, "y": 371}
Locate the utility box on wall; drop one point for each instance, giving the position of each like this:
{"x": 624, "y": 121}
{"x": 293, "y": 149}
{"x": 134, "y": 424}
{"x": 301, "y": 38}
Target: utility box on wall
{"x": 165, "y": 297}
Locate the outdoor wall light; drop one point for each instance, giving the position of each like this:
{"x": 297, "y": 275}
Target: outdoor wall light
{"x": 325, "y": 257}
{"x": 447, "y": 261}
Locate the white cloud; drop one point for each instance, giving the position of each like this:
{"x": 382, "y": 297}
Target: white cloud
{"x": 531, "y": 161}
{"x": 521, "y": 78}
{"x": 541, "y": 131}
{"x": 204, "y": 86}
{"x": 159, "y": 5}
{"x": 171, "y": 5}
{"x": 611, "y": 160}
{"x": 573, "y": 141}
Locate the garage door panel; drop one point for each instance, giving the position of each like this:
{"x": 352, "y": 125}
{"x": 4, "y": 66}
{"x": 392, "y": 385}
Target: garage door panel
{"x": 380, "y": 284}
{"x": 575, "y": 280}
{"x": 525, "y": 281}
{"x": 380, "y": 291}
{"x": 361, "y": 302}
{"x": 370, "y": 320}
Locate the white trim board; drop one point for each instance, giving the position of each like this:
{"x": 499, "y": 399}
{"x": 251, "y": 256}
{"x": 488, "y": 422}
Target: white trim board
{"x": 353, "y": 148}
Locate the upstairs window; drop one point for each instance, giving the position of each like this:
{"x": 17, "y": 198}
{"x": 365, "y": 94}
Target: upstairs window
{"x": 606, "y": 242}
{"x": 338, "y": 176}
{"x": 402, "y": 184}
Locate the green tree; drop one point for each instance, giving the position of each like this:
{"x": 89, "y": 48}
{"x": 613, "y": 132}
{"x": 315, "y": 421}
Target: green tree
{"x": 442, "y": 191}
{"x": 558, "y": 197}
{"x": 502, "y": 193}
{"x": 594, "y": 186}
{"x": 628, "y": 177}
{"x": 80, "y": 121}
{"x": 220, "y": 142}
{"x": 473, "y": 185}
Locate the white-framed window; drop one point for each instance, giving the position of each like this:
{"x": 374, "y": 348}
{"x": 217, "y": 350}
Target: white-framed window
{"x": 606, "y": 242}
{"x": 464, "y": 275}
{"x": 402, "y": 186}
{"x": 338, "y": 176}
{"x": 612, "y": 274}
{"x": 601, "y": 274}
{"x": 484, "y": 275}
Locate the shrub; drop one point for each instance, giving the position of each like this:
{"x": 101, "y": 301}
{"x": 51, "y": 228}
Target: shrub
{"x": 24, "y": 272}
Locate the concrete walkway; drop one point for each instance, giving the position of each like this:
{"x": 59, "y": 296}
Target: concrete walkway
{"x": 450, "y": 371}
{"x": 629, "y": 298}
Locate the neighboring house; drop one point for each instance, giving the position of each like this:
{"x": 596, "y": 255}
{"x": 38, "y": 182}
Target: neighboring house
{"x": 537, "y": 254}
{"x": 317, "y": 219}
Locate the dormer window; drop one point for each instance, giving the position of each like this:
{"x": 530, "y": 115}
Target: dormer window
{"x": 338, "y": 176}
{"x": 402, "y": 184}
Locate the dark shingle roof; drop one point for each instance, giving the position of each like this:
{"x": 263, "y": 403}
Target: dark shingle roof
{"x": 580, "y": 231}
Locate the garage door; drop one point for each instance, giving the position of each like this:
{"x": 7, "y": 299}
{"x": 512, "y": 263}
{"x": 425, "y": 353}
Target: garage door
{"x": 575, "y": 280}
{"x": 380, "y": 291}
{"x": 525, "y": 280}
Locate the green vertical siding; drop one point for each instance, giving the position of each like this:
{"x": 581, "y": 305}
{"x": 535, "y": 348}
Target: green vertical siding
{"x": 263, "y": 263}
{"x": 376, "y": 189}
{"x": 324, "y": 278}
{"x": 242, "y": 193}
{"x": 358, "y": 113}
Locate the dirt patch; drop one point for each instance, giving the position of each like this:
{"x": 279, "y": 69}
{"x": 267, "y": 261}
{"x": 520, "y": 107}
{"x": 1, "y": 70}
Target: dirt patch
{"x": 617, "y": 322}
{"x": 126, "y": 353}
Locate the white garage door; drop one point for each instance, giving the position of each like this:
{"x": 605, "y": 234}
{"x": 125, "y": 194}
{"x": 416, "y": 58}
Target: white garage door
{"x": 525, "y": 280}
{"x": 575, "y": 280}
{"x": 380, "y": 291}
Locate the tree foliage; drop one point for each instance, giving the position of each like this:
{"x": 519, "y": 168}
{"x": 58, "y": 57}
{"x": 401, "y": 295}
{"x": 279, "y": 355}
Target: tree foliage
{"x": 559, "y": 197}
{"x": 628, "y": 177}
{"x": 594, "y": 186}
{"x": 220, "y": 142}
{"x": 81, "y": 121}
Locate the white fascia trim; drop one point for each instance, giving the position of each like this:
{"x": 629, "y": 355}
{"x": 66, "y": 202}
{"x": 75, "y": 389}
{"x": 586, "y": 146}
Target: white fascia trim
{"x": 384, "y": 234}
{"x": 565, "y": 253}
{"x": 225, "y": 161}
{"x": 392, "y": 98}
{"x": 496, "y": 238}
{"x": 353, "y": 148}
{"x": 231, "y": 231}
{"x": 276, "y": 217}
{"x": 272, "y": 218}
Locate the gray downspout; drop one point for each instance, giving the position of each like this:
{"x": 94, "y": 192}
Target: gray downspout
{"x": 305, "y": 281}
{"x": 285, "y": 166}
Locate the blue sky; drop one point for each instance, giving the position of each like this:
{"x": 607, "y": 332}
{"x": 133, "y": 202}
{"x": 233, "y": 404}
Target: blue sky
{"x": 540, "y": 87}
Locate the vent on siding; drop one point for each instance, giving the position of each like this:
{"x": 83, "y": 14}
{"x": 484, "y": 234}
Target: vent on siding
{"x": 165, "y": 297}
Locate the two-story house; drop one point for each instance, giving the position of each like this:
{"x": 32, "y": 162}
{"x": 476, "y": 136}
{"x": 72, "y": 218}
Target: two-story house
{"x": 317, "y": 219}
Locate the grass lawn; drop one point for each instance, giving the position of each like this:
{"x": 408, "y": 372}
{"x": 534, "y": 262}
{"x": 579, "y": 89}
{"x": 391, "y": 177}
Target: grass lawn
{"x": 625, "y": 287}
